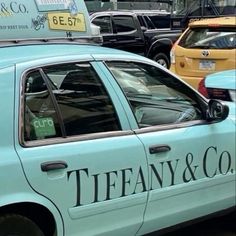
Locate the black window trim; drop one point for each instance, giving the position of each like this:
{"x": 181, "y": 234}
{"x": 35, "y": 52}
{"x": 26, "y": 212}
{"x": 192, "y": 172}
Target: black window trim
{"x": 55, "y": 104}
{"x": 164, "y": 127}
{"x": 76, "y": 138}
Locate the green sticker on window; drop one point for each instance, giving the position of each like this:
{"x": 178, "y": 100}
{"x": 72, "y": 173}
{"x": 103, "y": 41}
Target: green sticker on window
{"x": 43, "y": 127}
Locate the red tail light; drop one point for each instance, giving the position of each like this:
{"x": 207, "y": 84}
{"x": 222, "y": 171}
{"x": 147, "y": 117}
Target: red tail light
{"x": 202, "y": 88}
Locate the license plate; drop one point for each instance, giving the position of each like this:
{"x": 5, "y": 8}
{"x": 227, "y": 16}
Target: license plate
{"x": 64, "y": 21}
{"x": 207, "y": 65}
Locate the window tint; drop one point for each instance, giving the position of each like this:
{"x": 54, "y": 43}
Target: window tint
{"x": 73, "y": 101}
{"x": 124, "y": 23}
{"x": 155, "y": 97}
{"x": 104, "y": 23}
{"x": 209, "y": 38}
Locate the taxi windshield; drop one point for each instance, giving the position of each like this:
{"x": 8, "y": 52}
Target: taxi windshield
{"x": 209, "y": 38}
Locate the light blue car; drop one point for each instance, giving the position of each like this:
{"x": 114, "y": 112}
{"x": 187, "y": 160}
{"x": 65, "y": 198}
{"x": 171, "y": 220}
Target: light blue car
{"x": 220, "y": 85}
{"x": 96, "y": 141}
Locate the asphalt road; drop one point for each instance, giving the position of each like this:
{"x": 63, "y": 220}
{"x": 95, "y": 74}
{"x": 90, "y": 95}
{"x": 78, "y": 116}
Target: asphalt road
{"x": 219, "y": 226}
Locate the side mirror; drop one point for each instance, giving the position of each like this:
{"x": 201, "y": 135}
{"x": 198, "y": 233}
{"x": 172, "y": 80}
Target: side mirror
{"x": 143, "y": 28}
{"x": 217, "y": 111}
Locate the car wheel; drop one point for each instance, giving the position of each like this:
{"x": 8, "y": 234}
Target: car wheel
{"x": 17, "y": 225}
{"x": 162, "y": 59}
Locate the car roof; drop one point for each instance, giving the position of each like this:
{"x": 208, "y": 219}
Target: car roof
{"x": 11, "y": 55}
{"x": 113, "y": 12}
{"x": 215, "y": 22}
{"x": 129, "y": 12}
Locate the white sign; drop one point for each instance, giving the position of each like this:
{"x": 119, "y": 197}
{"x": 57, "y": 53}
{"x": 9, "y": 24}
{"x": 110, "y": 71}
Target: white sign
{"x": 53, "y": 2}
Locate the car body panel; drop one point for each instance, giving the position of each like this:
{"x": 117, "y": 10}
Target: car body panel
{"x": 221, "y": 85}
{"x": 180, "y": 194}
{"x": 191, "y": 60}
{"x": 224, "y": 21}
{"x": 223, "y": 79}
{"x": 16, "y": 189}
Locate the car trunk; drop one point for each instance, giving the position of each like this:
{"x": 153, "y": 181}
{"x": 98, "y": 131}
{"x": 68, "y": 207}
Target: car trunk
{"x": 200, "y": 62}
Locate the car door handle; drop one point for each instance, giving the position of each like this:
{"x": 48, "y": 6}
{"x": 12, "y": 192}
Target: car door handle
{"x": 113, "y": 40}
{"x": 159, "y": 148}
{"x": 53, "y": 165}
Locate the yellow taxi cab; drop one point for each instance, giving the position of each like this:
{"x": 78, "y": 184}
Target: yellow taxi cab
{"x": 206, "y": 46}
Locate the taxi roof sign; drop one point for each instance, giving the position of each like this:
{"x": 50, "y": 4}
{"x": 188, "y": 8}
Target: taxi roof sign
{"x": 44, "y": 19}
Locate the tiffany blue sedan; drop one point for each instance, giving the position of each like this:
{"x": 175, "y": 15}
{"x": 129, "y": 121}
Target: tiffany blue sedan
{"x": 96, "y": 141}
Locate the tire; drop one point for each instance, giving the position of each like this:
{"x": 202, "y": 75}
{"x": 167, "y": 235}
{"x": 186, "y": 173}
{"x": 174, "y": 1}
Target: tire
{"x": 17, "y": 225}
{"x": 162, "y": 59}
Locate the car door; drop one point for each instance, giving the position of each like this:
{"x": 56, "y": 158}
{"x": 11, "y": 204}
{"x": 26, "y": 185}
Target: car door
{"x": 191, "y": 161}
{"x": 77, "y": 148}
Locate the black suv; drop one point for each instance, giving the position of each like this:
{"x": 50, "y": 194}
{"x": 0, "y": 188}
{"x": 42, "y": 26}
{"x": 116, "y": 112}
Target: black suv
{"x": 137, "y": 32}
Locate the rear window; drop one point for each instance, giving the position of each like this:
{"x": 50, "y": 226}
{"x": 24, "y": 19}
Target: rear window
{"x": 209, "y": 38}
{"x": 65, "y": 100}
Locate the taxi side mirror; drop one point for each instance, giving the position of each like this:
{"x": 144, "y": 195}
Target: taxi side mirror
{"x": 217, "y": 111}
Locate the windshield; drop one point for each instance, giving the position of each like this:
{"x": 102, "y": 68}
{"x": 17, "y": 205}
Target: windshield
{"x": 209, "y": 38}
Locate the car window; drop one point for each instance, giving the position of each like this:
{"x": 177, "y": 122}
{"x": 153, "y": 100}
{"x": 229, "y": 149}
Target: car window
{"x": 213, "y": 38}
{"x": 66, "y": 100}
{"x": 124, "y": 24}
{"x": 156, "y": 97}
{"x": 105, "y": 24}
{"x": 145, "y": 21}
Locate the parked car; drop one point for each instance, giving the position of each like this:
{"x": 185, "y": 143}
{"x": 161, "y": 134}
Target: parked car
{"x": 138, "y": 32}
{"x": 220, "y": 85}
{"x": 98, "y": 141}
{"x": 169, "y": 25}
{"x": 207, "y": 46}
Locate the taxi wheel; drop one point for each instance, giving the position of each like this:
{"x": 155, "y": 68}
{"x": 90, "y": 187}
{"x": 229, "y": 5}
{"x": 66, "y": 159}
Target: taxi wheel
{"x": 17, "y": 225}
{"x": 162, "y": 59}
